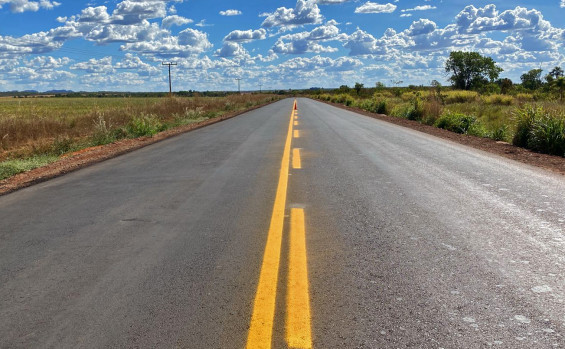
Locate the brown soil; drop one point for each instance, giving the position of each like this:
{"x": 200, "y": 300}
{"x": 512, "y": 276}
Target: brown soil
{"x": 548, "y": 162}
{"x": 86, "y": 157}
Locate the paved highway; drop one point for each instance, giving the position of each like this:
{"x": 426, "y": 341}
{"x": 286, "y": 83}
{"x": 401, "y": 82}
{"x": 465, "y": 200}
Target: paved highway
{"x": 318, "y": 228}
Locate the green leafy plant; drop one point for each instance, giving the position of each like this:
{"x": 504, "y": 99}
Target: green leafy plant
{"x": 456, "y": 122}
{"x": 144, "y": 125}
{"x": 548, "y": 135}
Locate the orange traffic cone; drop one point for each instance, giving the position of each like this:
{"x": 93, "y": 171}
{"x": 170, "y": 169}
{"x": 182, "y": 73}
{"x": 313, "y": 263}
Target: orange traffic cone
{"x": 295, "y": 108}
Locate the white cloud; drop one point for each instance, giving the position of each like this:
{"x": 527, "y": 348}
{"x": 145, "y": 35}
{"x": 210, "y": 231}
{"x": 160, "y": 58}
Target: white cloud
{"x": 231, "y": 49}
{"x": 474, "y": 20}
{"x": 305, "y": 12}
{"x": 420, "y": 8}
{"x": 231, "y": 13}
{"x": 332, "y": 2}
{"x": 373, "y": 7}
{"x": 188, "y": 42}
{"x": 317, "y": 62}
{"x": 19, "y": 6}
{"x": 422, "y": 26}
{"x": 246, "y": 35}
{"x": 562, "y": 4}
{"x": 103, "y": 65}
{"x": 203, "y": 23}
{"x": 308, "y": 41}
{"x": 135, "y": 11}
{"x": 169, "y": 21}
{"x": 48, "y": 62}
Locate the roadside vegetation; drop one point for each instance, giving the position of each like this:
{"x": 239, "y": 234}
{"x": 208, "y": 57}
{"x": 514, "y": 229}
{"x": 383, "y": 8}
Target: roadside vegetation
{"x": 529, "y": 114}
{"x": 37, "y": 131}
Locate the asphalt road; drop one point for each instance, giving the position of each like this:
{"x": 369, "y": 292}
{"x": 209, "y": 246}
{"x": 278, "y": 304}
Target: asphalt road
{"x": 410, "y": 241}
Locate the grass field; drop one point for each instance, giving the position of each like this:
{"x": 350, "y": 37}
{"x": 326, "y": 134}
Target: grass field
{"x": 35, "y": 131}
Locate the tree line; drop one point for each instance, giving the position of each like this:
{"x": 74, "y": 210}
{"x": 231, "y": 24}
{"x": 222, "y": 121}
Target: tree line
{"x": 472, "y": 71}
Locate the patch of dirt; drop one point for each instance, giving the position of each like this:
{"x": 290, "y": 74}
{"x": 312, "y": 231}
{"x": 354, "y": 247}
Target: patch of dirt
{"x": 548, "y": 162}
{"x": 89, "y": 156}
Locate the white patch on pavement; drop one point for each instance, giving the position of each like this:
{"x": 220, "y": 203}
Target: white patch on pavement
{"x": 522, "y": 319}
{"x": 541, "y": 289}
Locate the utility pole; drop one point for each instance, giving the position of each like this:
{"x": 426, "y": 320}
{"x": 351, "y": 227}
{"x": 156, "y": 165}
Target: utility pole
{"x": 260, "y": 85}
{"x": 170, "y": 85}
{"x": 238, "y": 85}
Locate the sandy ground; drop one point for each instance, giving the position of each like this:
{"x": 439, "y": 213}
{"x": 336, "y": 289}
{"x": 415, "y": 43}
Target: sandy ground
{"x": 74, "y": 161}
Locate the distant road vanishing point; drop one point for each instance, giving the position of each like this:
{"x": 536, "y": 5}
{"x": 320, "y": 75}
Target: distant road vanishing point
{"x": 288, "y": 228}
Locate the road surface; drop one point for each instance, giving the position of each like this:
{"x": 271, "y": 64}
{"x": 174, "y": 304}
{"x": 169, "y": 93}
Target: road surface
{"x": 318, "y": 228}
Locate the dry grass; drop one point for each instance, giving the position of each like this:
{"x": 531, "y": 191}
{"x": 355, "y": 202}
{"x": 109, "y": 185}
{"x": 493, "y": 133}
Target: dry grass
{"x": 33, "y": 126}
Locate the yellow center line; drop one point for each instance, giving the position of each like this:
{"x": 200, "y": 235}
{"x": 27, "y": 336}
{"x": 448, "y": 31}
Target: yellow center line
{"x": 261, "y": 327}
{"x": 296, "y": 161}
{"x": 296, "y": 134}
{"x": 296, "y": 123}
{"x": 298, "y": 329}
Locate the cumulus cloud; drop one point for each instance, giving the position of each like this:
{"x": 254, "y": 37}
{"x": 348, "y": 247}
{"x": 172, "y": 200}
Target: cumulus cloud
{"x": 373, "y": 7}
{"x": 48, "y": 62}
{"x": 169, "y": 21}
{"x": 332, "y": 2}
{"x": 19, "y": 6}
{"x": 246, "y": 35}
{"x": 475, "y": 20}
{"x": 188, "y": 42}
{"x": 420, "y": 8}
{"x": 303, "y": 42}
{"x": 103, "y": 65}
{"x": 134, "y": 11}
{"x": 422, "y": 26}
{"x": 314, "y": 64}
{"x": 562, "y": 4}
{"x": 305, "y": 12}
{"x": 231, "y": 13}
{"x": 231, "y": 49}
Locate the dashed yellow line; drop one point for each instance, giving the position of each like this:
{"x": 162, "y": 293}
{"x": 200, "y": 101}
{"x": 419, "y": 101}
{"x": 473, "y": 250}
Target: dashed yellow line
{"x": 296, "y": 123}
{"x": 296, "y": 161}
{"x": 261, "y": 327}
{"x": 296, "y": 134}
{"x": 298, "y": 319}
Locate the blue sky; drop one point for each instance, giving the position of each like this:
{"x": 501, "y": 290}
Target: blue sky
{"x": 119, "y": 45}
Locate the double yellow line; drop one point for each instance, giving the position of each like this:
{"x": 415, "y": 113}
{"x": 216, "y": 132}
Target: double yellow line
{"x": 298, "y": 319}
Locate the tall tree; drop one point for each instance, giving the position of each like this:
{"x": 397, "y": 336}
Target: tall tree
{"x": 358, "y": 87}
{"x": 470, "y": 70}
{"x": 556, "y": 73}
{"x": 532, "y": 79}
{"x": 560, "y": 84}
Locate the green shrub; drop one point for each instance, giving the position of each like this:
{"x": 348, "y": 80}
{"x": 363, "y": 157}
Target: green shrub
{"x": 539, "y": 130}
{"x": 410, "y": 111}
{"x": 459, "y": 123}
{"x": 525, "y": 118}
{"x": 62, "y": 145}
{"x": 498, "y": 99}
{"x": 9, "y": 168}
{"x": 452, "y": 97}
{"x": 381, "y": 107}
{"x": 548, "y": 135}
{"x": 144, "y": 125}
{"x": 500, "y": 133}
{"x": 525, "y": 97}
